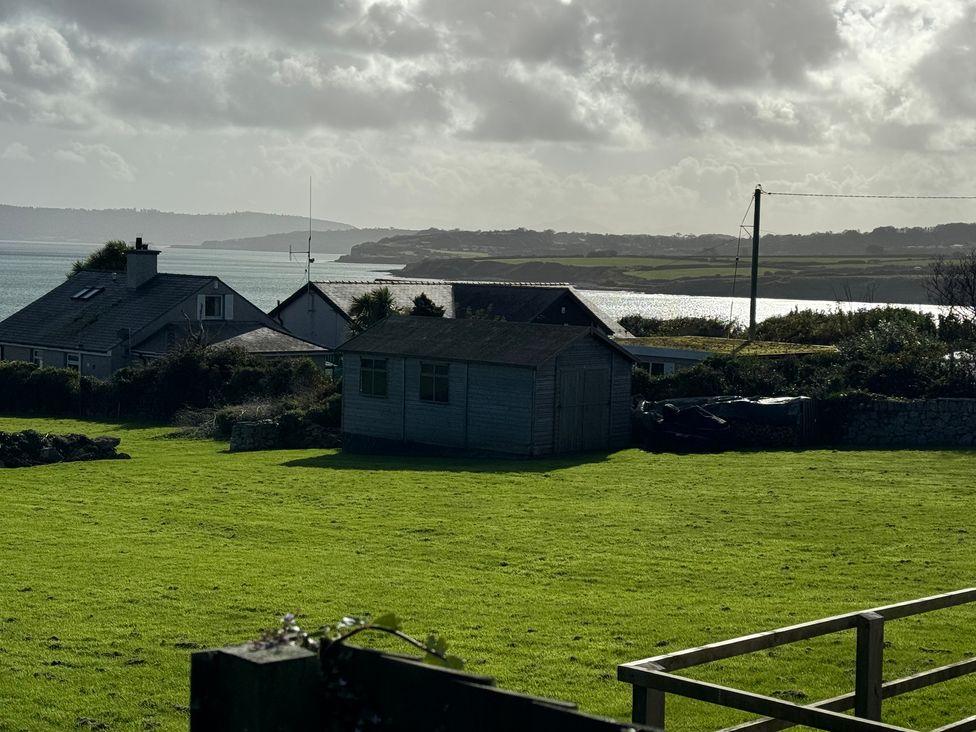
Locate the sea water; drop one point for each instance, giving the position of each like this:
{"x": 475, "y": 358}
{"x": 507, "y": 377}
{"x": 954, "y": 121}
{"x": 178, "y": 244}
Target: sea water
{"x": 29, "y": 269}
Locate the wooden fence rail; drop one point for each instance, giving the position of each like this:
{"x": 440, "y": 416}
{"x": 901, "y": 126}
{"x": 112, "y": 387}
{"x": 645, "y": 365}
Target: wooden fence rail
{"x": 652, "y": 679}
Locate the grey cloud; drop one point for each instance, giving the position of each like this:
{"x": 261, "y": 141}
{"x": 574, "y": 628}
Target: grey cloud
{"x": 675, "y": 111}
{"x": 269, "y": 90}
{"x": 729, "y": 44}
{"x": 948, "y": 73}
{"x": 512, "y": 110}
{"x": 389, "y": 28}
{"x": 902, "y": 136}
{"x": 535, "y": 32}
{"x": 182, "y": 20}
{"x": 39, "y": 58}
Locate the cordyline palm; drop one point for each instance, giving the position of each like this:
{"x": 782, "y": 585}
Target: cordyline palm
{"x": 371, "y": 307}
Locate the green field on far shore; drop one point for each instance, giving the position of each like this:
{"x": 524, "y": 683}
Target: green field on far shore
{"x": 545, "y": 574}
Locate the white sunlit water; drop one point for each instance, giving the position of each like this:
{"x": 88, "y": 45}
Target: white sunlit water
{"x": 618, "y": 304}
{"x": 29, "y": 269}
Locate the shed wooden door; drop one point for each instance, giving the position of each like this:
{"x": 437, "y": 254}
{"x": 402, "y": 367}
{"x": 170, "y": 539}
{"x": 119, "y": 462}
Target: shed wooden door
{"x": 596, "y": 409}
{"x": 582, "y": 410}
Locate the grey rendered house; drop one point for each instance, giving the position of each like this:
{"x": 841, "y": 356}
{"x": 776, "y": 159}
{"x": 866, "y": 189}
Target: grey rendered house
{"x": 472, "y": 385}
{"x": 319, "y": 311}
{"x": 99, "y": 322}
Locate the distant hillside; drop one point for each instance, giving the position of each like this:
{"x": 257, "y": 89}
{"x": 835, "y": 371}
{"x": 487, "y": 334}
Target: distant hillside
{"x": 323, "y": 242}
{"x": 439, "y": 244}
{"x": 20, "y": 223}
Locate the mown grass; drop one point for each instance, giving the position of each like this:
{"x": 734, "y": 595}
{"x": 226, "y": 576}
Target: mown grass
{"x": 545, "y": 574}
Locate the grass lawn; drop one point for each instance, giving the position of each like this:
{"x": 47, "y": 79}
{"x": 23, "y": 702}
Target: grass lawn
{"x": 545, "y": 574}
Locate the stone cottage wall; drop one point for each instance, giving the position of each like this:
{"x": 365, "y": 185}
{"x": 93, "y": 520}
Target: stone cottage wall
{"x": 918, "y": 422}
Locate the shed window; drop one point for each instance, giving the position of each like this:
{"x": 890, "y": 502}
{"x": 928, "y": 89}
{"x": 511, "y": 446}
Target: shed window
{"x": 73, "y": 361}
{"x": 37, "y": 357}
{"x": 657, "y": 368}
{"x": 372, "y": 376}
{"x": 434, "y": 382}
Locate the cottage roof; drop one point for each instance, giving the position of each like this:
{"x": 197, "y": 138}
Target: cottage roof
{"x": 252, "y": 336}
{"x": 515, "y": 301}
{"x": 89, "y": 310}
{"x": 260, "y": 339}
{"x": 471, "y": 339}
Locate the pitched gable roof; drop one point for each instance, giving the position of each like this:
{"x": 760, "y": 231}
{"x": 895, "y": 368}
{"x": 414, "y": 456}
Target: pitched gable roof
{"x": 261, "y": 339}
{"x": 471, "y": 339}
{"x": 59, "y": 320}
{"x": 514, "y": 301}
{"x": 253, "y": 337}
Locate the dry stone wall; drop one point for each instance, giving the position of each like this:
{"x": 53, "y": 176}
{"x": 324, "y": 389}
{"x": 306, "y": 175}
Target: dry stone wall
{"x": 911, "y": 423}
{"x": 249, "y": 436}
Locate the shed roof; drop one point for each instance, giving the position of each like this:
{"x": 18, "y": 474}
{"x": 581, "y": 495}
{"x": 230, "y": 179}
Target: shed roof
{"x": 472, "y": 339}
{"x": 61, "y": 319}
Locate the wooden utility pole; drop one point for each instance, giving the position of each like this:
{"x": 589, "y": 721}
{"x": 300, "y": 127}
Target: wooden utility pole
{"x": 754, "y": 288}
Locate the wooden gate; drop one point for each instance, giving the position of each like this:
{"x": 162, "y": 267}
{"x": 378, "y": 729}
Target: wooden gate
{"x": 582, "y": 410}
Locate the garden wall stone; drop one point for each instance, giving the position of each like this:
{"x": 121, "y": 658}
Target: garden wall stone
{"x": 250, "y": 436}
{"x": 911, "y": 423}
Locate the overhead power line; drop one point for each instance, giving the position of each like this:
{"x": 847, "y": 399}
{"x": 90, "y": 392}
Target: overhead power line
{"x": 865, "y": 195}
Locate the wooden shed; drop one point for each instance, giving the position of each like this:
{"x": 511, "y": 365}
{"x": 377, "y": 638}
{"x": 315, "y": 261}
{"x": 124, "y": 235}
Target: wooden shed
{"x": 485, "y": 386}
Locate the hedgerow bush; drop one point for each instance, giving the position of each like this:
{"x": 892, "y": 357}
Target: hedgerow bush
{"x": 640, "y": 326}
{"x": 14, "y": 396}
{"x": 885, "y": 351}
{"x": 188, "y": 380}
{"x": 830, "y": 328}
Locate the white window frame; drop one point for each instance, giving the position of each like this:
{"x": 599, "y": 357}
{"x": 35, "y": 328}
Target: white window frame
{"x": 37, "y": 357}
{"x": 70, "y": 356}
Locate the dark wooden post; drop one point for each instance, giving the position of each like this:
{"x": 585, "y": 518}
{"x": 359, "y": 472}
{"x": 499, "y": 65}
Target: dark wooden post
{"x": 868, "y": 673}
{"x": 648, "y": 705}
{"x": 754, "y": 280}
{"x": 240, "y": 688}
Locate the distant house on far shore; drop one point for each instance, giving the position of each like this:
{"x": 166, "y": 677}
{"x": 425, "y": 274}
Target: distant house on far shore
{"x": 319, "y": 311}
{"x": 484, "y": 386}
{"x": 99, "y": 322}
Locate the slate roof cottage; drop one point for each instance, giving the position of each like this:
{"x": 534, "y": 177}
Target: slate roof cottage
{"x": 319, "y": 311}
{"x": 98, "y": 322}
{"x": 485, "y": 386}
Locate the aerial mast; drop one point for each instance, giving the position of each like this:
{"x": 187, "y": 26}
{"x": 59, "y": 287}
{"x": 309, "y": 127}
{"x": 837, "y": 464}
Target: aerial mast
{"x": 308, "y": 255}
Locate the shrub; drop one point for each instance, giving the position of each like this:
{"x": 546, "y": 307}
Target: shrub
{"x": 640, "y": 326}
{"x": 816, "y": 327}
{"x": 893, "y": 358}
{"x": 14, "y": 395}
{"x": 53, "y": 391}
{"x": 701, "y": 380}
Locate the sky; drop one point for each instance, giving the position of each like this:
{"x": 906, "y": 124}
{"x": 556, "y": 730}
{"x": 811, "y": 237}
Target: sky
{"x": 623, "y": 116}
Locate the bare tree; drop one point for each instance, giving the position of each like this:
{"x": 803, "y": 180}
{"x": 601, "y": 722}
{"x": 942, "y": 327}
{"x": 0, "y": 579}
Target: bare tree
{"x": 952, "y": 282}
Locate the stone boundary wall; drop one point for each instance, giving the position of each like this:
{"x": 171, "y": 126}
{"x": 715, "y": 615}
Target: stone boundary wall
{"x": 911, "y": 422}
{"x": 250, "y": 436}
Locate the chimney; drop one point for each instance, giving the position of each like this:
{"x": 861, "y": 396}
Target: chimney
{"x": 140, "y": 264}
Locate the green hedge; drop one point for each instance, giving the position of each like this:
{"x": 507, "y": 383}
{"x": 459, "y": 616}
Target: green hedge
{"x": 188, "y": 379}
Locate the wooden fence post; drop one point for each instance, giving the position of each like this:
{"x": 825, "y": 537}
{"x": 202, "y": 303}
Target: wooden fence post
{"x": 648, "y": 705}
{"x": 870, "y": 660}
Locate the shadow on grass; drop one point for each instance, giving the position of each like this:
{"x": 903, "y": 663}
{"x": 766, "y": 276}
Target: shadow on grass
{"x": 453, "y": 464}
